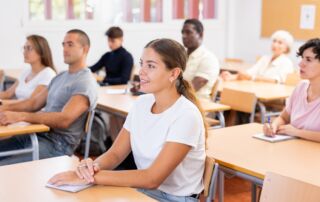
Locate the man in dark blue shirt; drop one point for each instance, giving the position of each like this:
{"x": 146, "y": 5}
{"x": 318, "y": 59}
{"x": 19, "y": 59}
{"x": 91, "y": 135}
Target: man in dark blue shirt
{"x": 118, "y": 62}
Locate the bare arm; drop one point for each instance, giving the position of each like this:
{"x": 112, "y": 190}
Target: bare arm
{"x": 9, "y": 93}
{"x": 77, "y": 105}
{"x": 36, "y": 101}
{"x": 198, "y": 82}
{"x": 167, "y": 160}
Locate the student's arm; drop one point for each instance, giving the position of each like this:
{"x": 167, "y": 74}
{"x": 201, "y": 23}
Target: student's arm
{"x": 198, "y": 82}
{"x": 305, "y": 134}
{"x": 77, "y": 105}
{"x": 98, "y": 65}
{"x": 167, "y": 160}
{"x": 36, "y": 102}
{"x": 9, "y": 93}
{"x": 126, "y": 68}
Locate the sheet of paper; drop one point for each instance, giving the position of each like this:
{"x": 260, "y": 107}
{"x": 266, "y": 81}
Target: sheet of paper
{"x": 116, "y": 91}
{"x": 276, "y": 138}
{"x": 21, "y": 123}
{"x": 70, "y": 188}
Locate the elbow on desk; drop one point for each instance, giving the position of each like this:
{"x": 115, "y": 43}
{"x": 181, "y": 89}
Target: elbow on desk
{"x": 152, "y": 181}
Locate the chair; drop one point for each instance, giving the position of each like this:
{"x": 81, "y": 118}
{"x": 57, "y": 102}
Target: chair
{"x": 87, "y": 130}
{"x": 210, "y": 178}
{"x": 292, "y": 79}
{"x": 239, "y": 101}
{"x": 235, "y": 60}
{"x": 214, "y": 90}
{"x": 278, "y": 188}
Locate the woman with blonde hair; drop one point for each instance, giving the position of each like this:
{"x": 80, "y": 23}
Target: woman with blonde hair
{"x": 164, "y": 130}
{"x": 269, "y": 68}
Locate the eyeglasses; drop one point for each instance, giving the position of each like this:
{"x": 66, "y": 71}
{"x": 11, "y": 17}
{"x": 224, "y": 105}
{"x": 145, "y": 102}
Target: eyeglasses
{"x": 27, "y": 48}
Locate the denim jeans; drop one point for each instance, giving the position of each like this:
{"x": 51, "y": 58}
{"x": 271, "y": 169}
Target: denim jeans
{"x": 165, "y": 197}
{"x": 47, "y": 148}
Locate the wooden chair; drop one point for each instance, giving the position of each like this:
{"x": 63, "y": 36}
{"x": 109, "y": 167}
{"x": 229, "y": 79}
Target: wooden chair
{"x": 278, "y": 188}
{"x": 235, "y": 60}
{"x": 239, "y": 101}
{"x": 87, "y": 130}
{"x": 214, "y": 90}
{"x": 210, "y": 177}
{"x": 292, "y": 79}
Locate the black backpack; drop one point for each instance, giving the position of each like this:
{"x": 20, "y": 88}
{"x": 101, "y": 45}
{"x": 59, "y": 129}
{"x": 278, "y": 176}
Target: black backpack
{"x": 99, "y": 136}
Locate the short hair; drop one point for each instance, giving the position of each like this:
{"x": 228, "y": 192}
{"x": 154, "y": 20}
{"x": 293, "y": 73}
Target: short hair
{"x": 196, "y": 23}
{"x": 284, "y": 36}
{"x": 312, "y": 43}
{"x": 83, "y": 37}
{"x": 114, "y": 32}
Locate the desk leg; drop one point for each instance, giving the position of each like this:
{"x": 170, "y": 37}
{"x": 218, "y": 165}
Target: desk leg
{"x": 221, "y": 185}
{"x": 221, "y": 119}
{"x": 263, "y": 111}
{"x": 253, "y": 192}
{"x": 35, "y": 146}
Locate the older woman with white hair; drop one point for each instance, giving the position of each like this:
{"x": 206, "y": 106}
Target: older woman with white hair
{"x": 269, "y": 68}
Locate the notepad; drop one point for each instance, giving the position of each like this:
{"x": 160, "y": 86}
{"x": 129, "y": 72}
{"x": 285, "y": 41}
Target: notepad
{"x": 276, "y": 138}
{"x": 69, "y": 188}
{"x": 18, "y": 124}
{"x": 116, "y": 91}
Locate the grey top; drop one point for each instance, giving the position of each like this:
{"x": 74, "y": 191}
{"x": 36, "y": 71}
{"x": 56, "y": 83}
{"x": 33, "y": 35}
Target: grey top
{"x": 61, "y": 89}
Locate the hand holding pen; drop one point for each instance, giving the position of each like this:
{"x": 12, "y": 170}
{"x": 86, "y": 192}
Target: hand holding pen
{"x": 269, "y": 129}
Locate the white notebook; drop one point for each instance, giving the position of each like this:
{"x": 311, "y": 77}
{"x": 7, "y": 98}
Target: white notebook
{"x": 70, "y": 188}
{"x": 116, "y": 91}
{"x": 276, "y": 138}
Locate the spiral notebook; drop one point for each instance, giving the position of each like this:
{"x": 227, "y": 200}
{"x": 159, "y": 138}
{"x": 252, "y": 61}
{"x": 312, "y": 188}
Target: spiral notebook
{"x": 276, "y": 138}
{"x": 70, "y": 188}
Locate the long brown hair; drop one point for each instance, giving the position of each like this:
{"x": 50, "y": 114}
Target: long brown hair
{"x": 42, "y": 48}
{"x": 173, "y": 54}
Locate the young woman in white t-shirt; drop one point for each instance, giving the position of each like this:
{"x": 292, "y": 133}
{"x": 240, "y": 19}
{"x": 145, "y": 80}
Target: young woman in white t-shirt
{"x": 164, "y": 130}
{"x": 37, "y": 53}
{"x": 269, "y": 68}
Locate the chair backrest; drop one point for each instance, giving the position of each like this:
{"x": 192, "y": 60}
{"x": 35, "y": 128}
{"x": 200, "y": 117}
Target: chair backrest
{"x": 239, "y": 101}
{"x": 87, "y": 130}
{"x": 278, "y": 188}
{"x": 236, "y": 60}
{"x": 214, "y": 90}
{"x": 292, "y": 79}
{"x": 210, "y": 178}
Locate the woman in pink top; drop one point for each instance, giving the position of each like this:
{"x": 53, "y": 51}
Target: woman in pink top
{"x": 301, "y": 117}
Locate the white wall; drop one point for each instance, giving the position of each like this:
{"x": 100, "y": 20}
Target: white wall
{"x": 136, "y": 35}
{"x": 244, "y": 24}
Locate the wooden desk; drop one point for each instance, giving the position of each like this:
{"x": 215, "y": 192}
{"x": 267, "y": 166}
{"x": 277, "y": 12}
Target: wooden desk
{"x": 120, "y": 104}
{"x": 234, "y": 67}
{"x": 15, "y": 129}
{"x": 264, "y": 92}
{"x": 26, "y": 182}
{"x": 237, "y": 152}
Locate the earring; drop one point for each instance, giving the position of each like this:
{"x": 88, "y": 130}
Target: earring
{"x": 171, "y": 80}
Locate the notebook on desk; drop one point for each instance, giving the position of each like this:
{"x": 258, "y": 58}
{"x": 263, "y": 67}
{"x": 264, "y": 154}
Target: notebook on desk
{"x": 70, "y": 188}
{"x": 276, "y": 138}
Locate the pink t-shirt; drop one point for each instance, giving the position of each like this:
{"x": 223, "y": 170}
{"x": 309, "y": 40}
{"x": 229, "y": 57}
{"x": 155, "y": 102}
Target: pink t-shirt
{"x": 303, "y": 114}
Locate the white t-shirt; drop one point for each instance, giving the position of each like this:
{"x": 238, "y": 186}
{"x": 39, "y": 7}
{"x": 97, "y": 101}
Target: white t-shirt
{"x": 202, "y": 63}
{"x": 278, "y": 69}
{"x": 25, "y": 89}
{"x": 181, "y": 123}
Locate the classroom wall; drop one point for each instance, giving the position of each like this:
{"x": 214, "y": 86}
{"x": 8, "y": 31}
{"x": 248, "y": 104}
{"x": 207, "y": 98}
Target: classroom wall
{"x": 137, "y": 35}
{"x": 244, "y": 23}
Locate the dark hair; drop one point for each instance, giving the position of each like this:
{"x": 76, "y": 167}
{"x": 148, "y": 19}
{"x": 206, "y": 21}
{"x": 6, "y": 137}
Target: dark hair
{"x": 114, "y": 32}
{"x": 312, "y": 43}
{"x": 196, "y": 23}
{"x": 173, "y": 54}
{"x": 42, "y": 48}
{"x": 83, "y": 37}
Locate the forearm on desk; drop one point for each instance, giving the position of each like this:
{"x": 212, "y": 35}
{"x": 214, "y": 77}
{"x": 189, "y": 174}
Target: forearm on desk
{"x": 51, "y": 119}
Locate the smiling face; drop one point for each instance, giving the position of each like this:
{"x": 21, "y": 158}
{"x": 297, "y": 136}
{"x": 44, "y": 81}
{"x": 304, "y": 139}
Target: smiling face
{"x": 309, "y": 65}
{"x": 154, "y": 75}
{"x": 279, "y": 47}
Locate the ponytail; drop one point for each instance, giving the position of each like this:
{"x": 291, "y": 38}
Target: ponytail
{"x": 184, "y": 88}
